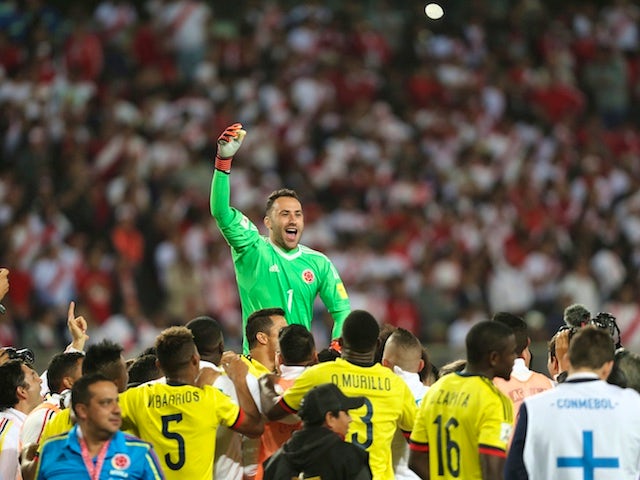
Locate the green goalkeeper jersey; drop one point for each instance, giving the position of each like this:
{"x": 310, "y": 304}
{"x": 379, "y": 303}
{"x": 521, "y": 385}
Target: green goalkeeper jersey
{"x": 269, "y": 276}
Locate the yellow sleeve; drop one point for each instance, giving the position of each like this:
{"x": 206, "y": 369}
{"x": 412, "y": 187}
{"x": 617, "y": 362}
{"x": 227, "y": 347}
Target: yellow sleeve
{"x": 408, "y": 416}
{"x": 292, "y": 398}
{"x": 60, "y": 423}
{"x": 228, "y": 413}
{"x": 128, "y": 403}
{"x": 420, "y": 434}
{"x": 496, "y": 423}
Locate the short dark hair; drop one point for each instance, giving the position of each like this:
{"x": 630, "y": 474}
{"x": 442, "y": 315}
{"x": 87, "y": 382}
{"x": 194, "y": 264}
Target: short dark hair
{"x": 576, "y": 315}
{"x": 296, "y": 344}
{"x": 60, "y": 366}
{"x": 174, "y": 348}
{"x": 360, "y": 331}
{"x": 283, "y": 192}
{"x": 100, "y": 355}
{"x": 143, "y": 369}
{"x": 591, "y": 347}
{"x": 405, "y": 339}
{"x": 519, "y": 327}
{"x": 429, "y": 370}
{"x": 260, "y": 321}
{"x": 385, "y": 332}
{"x": 207, "y": 334}
{"x": 11, "y": 377}
{"x": 404, "y": 347}
{"x": 328, "y": 355}
{"x": 483, "y": 338}
{"x": 80, "y": 393}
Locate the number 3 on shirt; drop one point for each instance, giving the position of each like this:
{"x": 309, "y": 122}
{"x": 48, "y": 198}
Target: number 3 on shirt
{"x": 366, "y": 419}
{"x": 166, "y": 419}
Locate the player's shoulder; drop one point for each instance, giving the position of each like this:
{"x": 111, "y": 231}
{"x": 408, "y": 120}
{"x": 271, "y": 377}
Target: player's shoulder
{"x": 320, "y": 368}
{"x": 381, "y": 370}
{"x": 538, "y": 378}
{"x": 484, "y": 386}
{"x": 61, "y": 417}
{"x": 5, "y": 425}
{"x": 55, "y": 441}
{"x": 134, "y": 442}
{"x": 629, "y": 395}
{"x": 311, "y": 252}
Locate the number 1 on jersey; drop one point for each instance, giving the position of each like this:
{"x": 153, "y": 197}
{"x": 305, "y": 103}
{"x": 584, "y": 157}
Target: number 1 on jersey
{"x": 289, "y": 299}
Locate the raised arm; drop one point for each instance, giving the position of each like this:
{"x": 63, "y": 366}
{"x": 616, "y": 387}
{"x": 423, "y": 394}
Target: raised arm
{"x": 334, "y": 296}
{"x": 77, "y": 328}
{"x": 228, "y": 144}
{"x": 252, "y": 424}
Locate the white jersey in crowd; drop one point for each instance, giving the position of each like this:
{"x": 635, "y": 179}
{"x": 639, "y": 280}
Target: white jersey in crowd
{"x": 228, "y": 461}
{"x": 399, "y": 444}
{"x": 583, "y": 429}
{"x": 11, "y": 421}
{"x": 39, "y": 416}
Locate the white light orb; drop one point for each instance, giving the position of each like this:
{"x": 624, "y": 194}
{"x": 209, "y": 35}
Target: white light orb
{"x": 434, "y": 11}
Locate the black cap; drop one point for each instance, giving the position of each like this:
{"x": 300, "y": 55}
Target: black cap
{"x": 326, "y": 398}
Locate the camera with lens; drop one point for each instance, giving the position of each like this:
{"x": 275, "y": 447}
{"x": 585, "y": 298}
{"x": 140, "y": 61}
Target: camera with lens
{"x": 606, "y": 321}
{"x": 603, "y": 320}
{"x": 572, "y": 330}
{"x": 24, "y": 354}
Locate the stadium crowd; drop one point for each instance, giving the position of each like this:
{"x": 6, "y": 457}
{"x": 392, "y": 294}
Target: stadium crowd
{"x": 440, "y": 162}
{"x": 482, "y": 166}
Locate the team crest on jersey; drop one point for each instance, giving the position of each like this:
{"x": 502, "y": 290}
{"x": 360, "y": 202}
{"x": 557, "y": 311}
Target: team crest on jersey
{"x": 121, "y": 461}
{"x": 308, "y": 276}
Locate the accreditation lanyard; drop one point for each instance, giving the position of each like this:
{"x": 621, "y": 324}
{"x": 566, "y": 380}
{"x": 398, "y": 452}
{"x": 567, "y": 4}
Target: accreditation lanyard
{"x": 94, "y": 470}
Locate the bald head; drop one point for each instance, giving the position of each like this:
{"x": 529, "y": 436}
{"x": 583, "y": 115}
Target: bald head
{"x": 403, "y": 349}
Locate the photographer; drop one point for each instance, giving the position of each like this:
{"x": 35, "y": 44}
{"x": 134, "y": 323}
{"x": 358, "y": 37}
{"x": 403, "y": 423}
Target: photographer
{"x": 577, "y": 317}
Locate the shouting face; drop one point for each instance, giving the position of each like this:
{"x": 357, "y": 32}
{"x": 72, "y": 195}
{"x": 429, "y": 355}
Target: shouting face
{"x": 285, "y": 222}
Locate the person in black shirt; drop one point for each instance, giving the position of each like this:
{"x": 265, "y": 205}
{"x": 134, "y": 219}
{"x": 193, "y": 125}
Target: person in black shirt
{"x": 319, "y": 450}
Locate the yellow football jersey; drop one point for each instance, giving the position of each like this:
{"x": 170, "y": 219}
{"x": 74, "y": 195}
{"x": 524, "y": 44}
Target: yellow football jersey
{"x": 460, "y": 417}
{"x": 389, "y": 405}
{"x": 180, "y": 421}
{"x": 60, "y": 423}
{"x": 256, "y": 368}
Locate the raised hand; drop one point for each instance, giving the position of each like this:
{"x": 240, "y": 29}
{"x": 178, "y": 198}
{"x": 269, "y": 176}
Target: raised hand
{"x": 77, "y": 328}
{"x": 234, "y": 366}
{"x": 229, "y": 142}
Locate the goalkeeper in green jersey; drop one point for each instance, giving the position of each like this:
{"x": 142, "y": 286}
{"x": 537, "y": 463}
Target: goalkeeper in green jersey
{"x": 274, "y": 271}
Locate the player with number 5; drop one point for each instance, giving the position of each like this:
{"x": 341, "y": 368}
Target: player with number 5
{"x": 180, "y": 416}
{"x": 274, "y": 271}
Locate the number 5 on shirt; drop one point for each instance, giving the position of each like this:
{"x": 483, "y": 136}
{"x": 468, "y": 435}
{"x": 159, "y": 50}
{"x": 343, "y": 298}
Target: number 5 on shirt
{"x": 166, "y": 419}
